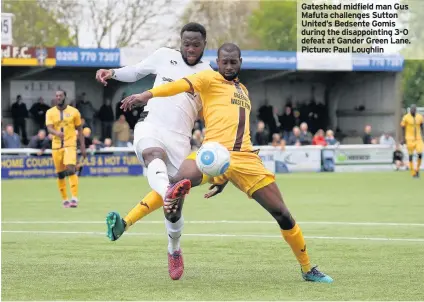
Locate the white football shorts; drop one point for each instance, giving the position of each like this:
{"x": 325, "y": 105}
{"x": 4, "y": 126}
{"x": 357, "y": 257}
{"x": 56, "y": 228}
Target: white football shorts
{"x": 176, "y": 146}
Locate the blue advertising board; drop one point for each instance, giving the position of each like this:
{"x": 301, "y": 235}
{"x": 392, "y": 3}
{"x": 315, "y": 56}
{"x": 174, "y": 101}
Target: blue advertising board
{"x": 94, "y": 165}
{"x": 258, "y": 59}
{"x": 87, "y": 57}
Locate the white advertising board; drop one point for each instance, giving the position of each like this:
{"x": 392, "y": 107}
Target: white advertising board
{"x": 32, "y": 90}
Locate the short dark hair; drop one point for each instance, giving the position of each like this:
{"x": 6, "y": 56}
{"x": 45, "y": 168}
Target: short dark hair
{"x": 195, "y": 27}
{"x": 64, "y": 92}
{"x": 229, "y": 47}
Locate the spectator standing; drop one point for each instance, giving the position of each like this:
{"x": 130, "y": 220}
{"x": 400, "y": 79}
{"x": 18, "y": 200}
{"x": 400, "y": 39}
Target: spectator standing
{"x": 319, "y": 139}
{"x": 261, "y": 135}
{"x": 121, "y": 130}
{"x": 106, "y": 118}
{"x": 11, "y": 140}
{"x": 305, "y": 135}
{"x": 287, "y": 122}
{"x": 38, "y": 111}
{"x": 330, "y": 139}
{"x": 87, "y": 111}
{"x": 266, "y": 114}
{"x": 19, "y": 115}
{"x": 367, "y": 138}
{"x": 387, "y": 140}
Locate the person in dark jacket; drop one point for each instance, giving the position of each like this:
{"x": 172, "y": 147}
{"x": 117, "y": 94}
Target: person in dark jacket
{"x": 261, "y": 135}
{"x": 106, "y": 117}
{"x": 38, "y": 112}
{"x": 19, "y": 115}
{"x": 38, "y": 141}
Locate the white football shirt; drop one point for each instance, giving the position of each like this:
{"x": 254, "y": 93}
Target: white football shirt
{"x": 176, "y": 113}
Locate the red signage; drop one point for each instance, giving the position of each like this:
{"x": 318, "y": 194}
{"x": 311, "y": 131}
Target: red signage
{"x": 27, "y": 56}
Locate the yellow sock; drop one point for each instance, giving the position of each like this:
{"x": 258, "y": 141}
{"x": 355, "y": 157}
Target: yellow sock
{"x": 411, "y": 168}
{"x": 151, "y": 202}
{"x": 418, "y": 164}
{"x": 73, "y": 181}
{"x": 61, "y": 184}
{"x": 294, "y": 238}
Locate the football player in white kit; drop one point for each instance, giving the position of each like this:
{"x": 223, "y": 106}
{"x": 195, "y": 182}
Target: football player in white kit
{"x": 162, "y": 139}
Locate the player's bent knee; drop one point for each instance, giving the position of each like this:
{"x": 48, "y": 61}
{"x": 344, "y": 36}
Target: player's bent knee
{"x": 70, "y": 170}
{"x": 61, "y": 175}
{"x": 283, "y": 218}
{"x": 151, "y": 154}
{"x": 411, "y": 158}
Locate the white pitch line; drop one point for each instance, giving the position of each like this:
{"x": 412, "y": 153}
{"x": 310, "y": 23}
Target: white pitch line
{"x": 221, "y": 235}
{"x": 229, "y": 222}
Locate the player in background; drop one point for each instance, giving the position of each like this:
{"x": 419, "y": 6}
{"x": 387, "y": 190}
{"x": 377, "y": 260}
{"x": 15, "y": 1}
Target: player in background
{"x": 412, "y": 130}
{"x": 61, "y": 122}
{"x": 162, "y": 136}
{"x": 226, "y": 110}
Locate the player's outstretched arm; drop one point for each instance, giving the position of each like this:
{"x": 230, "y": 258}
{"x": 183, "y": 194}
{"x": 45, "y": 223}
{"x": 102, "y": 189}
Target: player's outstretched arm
{"x": 168, "y": 89}
{"x": 132, "y": 73}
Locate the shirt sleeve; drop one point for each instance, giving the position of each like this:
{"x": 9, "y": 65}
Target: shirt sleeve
{"x": 49, "y": 118}
{"x": 132, "y": 73}
{"x": 77, "y": 119}
{"x": 199, "y": 82}
{"x": 403, "y": 122}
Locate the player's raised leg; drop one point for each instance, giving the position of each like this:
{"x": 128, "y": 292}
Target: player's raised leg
{"x": 153, "y": 155}
{"x": 269, "y": 197}
{"x": 116, "y": 226}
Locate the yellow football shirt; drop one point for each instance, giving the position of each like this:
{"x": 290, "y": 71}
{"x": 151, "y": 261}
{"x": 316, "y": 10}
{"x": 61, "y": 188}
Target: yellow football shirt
{"x": 412, "y": 126}
{"x": 65, "y": 121}
{"x": 226, "y": 107}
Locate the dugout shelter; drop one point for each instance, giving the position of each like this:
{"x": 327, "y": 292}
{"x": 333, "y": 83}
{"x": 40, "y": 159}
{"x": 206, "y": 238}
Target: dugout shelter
{"x": 356, "y": 89}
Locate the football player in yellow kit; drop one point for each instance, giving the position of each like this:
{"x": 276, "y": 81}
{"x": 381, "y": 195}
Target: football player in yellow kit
{"x": 226, "y": 110}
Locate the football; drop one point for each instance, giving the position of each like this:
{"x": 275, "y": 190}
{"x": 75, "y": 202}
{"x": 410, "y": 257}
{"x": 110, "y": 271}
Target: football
{"x": 213, "y": 159}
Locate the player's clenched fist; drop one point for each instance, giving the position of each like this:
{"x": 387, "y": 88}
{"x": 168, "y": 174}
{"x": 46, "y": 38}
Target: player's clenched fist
{"x": 102, "y": 75}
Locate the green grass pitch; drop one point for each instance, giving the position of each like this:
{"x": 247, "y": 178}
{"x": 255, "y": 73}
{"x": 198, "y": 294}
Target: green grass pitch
{"x": 232, "y": 247}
